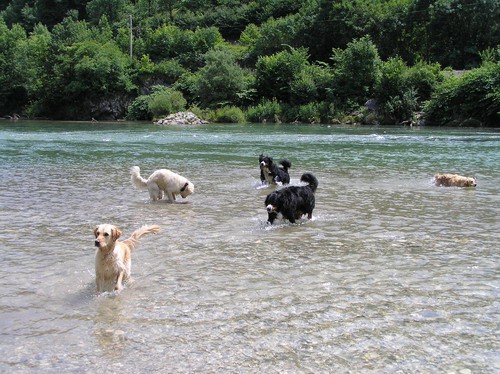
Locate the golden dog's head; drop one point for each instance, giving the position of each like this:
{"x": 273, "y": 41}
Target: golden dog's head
{"x": 187, "y": 189}
{"x": 106, "y": 236}
{"x": 470, "y": 182}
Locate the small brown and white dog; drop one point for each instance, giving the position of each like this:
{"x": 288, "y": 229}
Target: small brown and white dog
{"x": 454, "y": 180}
{"x": 162, "y": 181}
{"x": 113, "y": 258}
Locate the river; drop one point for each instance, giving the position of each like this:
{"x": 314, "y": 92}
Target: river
{"x": 391, "y": 275}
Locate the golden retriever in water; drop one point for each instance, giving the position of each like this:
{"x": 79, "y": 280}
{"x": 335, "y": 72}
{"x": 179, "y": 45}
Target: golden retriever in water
{"x": 162, "y": 181}
{"x": 113, "y": 258}
{"x": 454, "y": 180}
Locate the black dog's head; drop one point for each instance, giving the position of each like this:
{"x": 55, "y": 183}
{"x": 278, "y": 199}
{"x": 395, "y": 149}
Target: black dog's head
{"x": 265, "y": 162}
{"x": 273, "y": 205}
{"x": 266, "y": 168}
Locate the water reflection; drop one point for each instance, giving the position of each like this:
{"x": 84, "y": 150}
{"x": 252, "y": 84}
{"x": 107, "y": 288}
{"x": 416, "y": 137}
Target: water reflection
{"x": 108, "y": 322}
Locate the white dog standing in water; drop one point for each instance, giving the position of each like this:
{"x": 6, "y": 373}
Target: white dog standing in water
{"x": 162, "y": 181}
{"x": 113, "y": 259}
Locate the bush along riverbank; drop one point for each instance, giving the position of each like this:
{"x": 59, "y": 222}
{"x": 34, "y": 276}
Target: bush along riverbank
{"x": 302, "y": 61}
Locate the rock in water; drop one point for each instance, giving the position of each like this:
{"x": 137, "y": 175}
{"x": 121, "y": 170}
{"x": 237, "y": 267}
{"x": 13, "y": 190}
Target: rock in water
{"x": 181, "y": 118}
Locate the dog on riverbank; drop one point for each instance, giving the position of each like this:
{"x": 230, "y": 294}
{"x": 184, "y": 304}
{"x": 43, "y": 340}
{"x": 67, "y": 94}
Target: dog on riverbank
{"x": 454, "y": 180}
{"x": 293, "y": 202}
{"x": 113, "y": 259}
{"x": 272, "y": 173}
{"x": 162, "y": 181}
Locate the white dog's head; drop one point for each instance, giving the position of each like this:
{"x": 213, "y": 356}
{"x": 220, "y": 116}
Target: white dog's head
{"x": 187, "y": 189}
{"x": 106, "y": 236}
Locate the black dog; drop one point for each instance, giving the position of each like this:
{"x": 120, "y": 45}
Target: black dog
{"x": 273, "y": 174}
{"x": 293, "y": 202}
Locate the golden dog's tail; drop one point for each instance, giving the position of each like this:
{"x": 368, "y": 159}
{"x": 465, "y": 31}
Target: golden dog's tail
{"x": 137, "y": 234}
{"x": 136, "y": 179}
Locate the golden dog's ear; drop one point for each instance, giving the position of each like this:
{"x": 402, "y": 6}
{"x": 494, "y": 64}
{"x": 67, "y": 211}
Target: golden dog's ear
{"x": 95, "y": 231}
{"x": 116, "y": 233}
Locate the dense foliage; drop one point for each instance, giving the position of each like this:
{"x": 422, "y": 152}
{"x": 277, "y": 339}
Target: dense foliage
{"x": 369, "y": 61}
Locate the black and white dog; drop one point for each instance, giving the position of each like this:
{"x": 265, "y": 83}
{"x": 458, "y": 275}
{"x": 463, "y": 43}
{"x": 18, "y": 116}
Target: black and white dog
{"x": 293, "y": 202}
{"x": 271, "y": 173}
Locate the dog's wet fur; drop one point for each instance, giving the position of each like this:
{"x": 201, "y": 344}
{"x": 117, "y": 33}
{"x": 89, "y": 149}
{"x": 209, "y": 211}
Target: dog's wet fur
{"x": 113, "y": 258}
{"x": 271, "y": 173}
{"x": 293, "y": 202}
{"x": 454, "y": 180}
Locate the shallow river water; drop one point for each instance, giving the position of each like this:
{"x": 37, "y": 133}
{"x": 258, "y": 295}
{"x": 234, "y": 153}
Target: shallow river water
{"x": 392, "y": 274}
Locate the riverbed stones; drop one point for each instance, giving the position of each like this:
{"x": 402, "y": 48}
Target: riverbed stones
{"x": 181, "y": 118}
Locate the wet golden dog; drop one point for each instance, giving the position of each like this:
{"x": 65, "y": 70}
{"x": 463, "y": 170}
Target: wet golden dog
{"x": 454, "y": 180}
{"x": 113, "y": 258}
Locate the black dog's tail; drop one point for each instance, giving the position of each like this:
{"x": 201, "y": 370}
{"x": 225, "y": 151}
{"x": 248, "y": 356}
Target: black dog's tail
{"x": 286, "y": 164}
{"x": 311, "y": 181}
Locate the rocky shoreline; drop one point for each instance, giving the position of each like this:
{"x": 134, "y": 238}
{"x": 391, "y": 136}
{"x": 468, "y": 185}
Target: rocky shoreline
{"x": 181, "y": 118}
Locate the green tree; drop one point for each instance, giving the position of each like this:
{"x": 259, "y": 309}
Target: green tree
{"x": 160, "y": 102}
{"x": 36, "y": 60}
{"x": 453, "y": 32}
{"x": 86, "y": 77}
{"x": 68, "y": 32}
{"x": 221, "y": 80}
{"x": 170, "y": 6}
{"x": 274, "y": 36}
{"x": 165, "y": 102}
{"x": 13, "y": 79}
{"x": 356, "y": 72}
{"x": 471, "y": 98}
{"x": 28, "y": 13}
{"x": 311, "y": 84}
{"x": 337, "y": 23}
{"x": 397, "y": 100}
{"x": 186, "y": 46}
{"x": 424, "y": 78}
{"x": 20, "y": 12}
{"x": 275, "y": 73}
{"x": 111, "y": 9}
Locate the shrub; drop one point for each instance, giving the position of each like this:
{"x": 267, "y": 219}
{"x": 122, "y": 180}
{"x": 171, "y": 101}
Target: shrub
{"x": 310, "y": 84}
{"x": 228, "y": 114}
{"x": 356, "y": 72}
{"x": 161, "y": 102}
{"x": 473, "y": 96}
{"x": 271, "y": 38}
{"x": 275, "y": 73}
{"x": 169, "y": 70}
{"x": 308, "y": 113}
{"x": 187, "y": 85}
{"x": 199, "y": 112}
{"x": 139, "y": 109}
{"x": 424, "y": 78}
{"x": 266, "y": 111}
{"x": 399, "y": 108}
{"x": 396, "y": 98}
{"x": 313, "y": 112}
{"x": 166, "y": 102}
{"x": 221, "y": 79}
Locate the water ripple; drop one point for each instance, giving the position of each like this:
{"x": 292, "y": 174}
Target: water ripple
{"x": 392, "y": 274}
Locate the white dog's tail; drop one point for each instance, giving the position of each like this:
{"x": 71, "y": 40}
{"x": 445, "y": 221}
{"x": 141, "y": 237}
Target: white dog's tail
{"x": 137, "y": 234}
{"x": 136, "y": 179}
